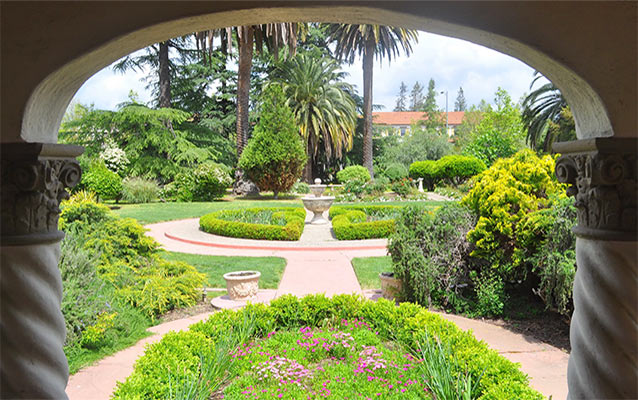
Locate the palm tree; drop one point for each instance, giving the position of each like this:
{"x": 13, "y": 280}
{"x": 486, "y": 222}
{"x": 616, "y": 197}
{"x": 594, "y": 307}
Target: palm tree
{"x": 368, "y": 41}
{"x": 542, "y": 106}
{"x": 273, "y": 36}
{"x": 323, "y": 105}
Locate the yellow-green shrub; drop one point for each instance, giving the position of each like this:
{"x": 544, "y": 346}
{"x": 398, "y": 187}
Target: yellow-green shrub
{"x": 221, "y": 223}
{"x": 501, "y": 197}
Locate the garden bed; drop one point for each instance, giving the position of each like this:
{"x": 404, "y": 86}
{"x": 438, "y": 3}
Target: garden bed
{"x": 363, "y": 221}
{"x": 256, "y": 223}
{"x": 315, "y": 347}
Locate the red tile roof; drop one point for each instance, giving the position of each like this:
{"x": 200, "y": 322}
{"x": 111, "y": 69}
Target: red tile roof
{"x": 409, "y": 117}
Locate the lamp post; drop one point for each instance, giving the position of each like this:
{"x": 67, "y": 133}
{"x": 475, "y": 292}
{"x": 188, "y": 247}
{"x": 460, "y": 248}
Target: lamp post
{"x": 447, "y": 128}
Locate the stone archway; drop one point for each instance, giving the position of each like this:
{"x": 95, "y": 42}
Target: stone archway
{"x": 588, "y": 50}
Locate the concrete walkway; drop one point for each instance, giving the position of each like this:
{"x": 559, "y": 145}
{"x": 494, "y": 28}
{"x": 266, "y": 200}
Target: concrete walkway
{"x": 318, "y": 263}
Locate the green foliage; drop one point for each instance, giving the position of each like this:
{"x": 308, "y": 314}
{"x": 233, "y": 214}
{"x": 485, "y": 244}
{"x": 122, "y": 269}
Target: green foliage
{"x": 139, "y": 190}
{"x": 402, "y": 187}
{"x": 553, "y": 258}
{"x": 353, "y": 172}
{"x": 395, "y": 172}
{"x": 284, "y": 224}
{"x": 362, "y": 222}
{"x": 355, "y": 187}
{"x": 179, "y": 358}
{"x": 428, "y": 170}
{"x": 128, "y": 260}
{"x": 274, "y": 156}
{"x": 499, "y": 133}
{"x": 300, "y": 188}
{"x": 94, "y": 335}
{"x": 158, "y": 143}
{"x": 206, "y": 182}
{"x": 456, "y": 168}
{"x": 490, "y": 294}
{"x": 502, "y": 196}
{"x": 102, "y": 181}
{"x": 430, "y": 254}
{"x": 421, "y": 144}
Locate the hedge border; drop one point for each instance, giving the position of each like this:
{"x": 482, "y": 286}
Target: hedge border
{"x": 292, "y": 230}
{"x": 407, "y": 324}
{"x": 349, "y": 222}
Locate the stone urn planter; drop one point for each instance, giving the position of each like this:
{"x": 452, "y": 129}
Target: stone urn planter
{"x": 242, "y": 285}
{"x": 391, "y": 287}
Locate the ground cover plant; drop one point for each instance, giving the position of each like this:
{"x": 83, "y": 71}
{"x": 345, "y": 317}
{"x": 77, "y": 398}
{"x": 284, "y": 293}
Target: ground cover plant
{"x": 316, "y": 347}
{"x": 256, "y": 223}
{"x": 214, "y": 267}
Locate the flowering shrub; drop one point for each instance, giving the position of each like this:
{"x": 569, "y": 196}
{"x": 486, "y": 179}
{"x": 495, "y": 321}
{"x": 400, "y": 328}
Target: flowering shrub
{"x": 355, "y": 349}
{"x": 114, "y": 158}
{"x": 207, "y": 182}
{"x": 403, "y": 187}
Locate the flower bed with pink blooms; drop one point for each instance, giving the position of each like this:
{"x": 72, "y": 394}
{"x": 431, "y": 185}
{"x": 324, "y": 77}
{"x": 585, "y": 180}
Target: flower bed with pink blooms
{"x": 319, "y": 348}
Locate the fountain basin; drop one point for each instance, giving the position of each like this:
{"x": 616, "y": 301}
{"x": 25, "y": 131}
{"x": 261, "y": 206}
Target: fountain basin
{"x": 318, "y": 205}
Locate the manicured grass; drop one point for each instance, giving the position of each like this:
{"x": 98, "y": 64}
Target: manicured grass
{"x": 271, "y": 268}
{"x": 158, "y": 212}
{"x": 368, "y": 269}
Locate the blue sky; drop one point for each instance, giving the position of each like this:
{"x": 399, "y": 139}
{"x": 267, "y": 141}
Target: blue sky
{"x": 452, "y": 63}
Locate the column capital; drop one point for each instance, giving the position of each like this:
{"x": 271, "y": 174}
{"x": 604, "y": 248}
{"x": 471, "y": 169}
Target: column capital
{"x": 602, "y": 174}
{"x": 34, "y": 178}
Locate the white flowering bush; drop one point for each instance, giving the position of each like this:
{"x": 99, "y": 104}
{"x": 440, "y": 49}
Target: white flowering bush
{"x": 114, "y": 158}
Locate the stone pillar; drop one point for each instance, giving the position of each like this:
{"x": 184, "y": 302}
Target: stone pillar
{"x": 32, "y": 331}
{"x": 604, "y": 330}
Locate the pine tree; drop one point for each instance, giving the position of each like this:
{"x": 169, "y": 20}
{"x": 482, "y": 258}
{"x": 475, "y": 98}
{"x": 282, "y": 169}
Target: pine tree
{"x": 460, "y": 104}
{"x": 430, "y": 99}
{"x": 401, "y": 100}
{"x": 416, "y": 97}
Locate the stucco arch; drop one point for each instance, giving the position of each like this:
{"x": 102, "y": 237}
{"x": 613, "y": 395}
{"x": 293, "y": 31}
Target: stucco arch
{"x": 98, "y": 43}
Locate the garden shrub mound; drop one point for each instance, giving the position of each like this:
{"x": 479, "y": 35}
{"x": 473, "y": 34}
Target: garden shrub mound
{"x": 363, "y": 222}
{"x": 256, "y": 223}
{"x": 316, "y": 347}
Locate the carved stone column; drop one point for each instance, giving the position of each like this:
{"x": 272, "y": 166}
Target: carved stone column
{"x": 32, "y": 331}
{"x": 604, "y": 328}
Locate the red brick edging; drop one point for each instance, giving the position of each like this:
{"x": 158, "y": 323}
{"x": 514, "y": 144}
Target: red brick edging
{"x": 278, "y": 248}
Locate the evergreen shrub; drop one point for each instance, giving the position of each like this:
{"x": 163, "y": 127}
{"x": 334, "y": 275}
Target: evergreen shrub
{"x": 274, "y": 156}
{"x": 395, "y": 172}
{"x": 285, "y": 224}
{"x": 102, "y": 181}
{"x": 428, "y": 170}
{"x": 353, "y": 172}
{"x": 456, "y": 168}
{"x": 363, "y": 222}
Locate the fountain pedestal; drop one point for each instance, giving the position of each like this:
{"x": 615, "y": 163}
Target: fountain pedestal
{"x": 318, "y": 204}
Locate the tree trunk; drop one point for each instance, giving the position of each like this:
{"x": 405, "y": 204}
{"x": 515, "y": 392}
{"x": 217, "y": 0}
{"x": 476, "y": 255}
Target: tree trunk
{"x": 246, "y": 34}
{"x": 368, "y": 64}
{"x": 307, "y": 171}
{"x": 164, "y": 77}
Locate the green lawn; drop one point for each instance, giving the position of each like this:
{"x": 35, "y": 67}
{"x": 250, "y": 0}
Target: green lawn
{"x": 271, "y": 268}
{"x": 159, "y": 212}
{"x": 369, "y": 268}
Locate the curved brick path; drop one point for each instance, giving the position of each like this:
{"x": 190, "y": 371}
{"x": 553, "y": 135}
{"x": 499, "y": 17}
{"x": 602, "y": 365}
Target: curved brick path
{"x": 316, "y": 264}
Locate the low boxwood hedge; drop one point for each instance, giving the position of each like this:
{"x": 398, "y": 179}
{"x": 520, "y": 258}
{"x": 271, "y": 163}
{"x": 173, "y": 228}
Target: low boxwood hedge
{"x": 177, "y": 360}
{"x": 221, "y": 223}
{"x": 350, "y": 222}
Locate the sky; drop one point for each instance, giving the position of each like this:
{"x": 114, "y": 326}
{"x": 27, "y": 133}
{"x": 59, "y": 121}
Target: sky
{"x": 452, "y": 63}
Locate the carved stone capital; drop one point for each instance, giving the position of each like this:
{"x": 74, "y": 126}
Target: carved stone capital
{"x": 34, "y": 181}
{"x": 601, "y": 173}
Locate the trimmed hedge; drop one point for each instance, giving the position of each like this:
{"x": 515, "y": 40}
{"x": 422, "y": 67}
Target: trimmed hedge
{"x": 176, "y": 359}
{"x": 353, "y": 172}
{"x": 453, "y": 168}
{"x": 292, "y": 229}
{"x": 349, "y": 222}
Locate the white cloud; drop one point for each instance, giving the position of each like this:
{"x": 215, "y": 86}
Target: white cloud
{"x": 452, "y": 63}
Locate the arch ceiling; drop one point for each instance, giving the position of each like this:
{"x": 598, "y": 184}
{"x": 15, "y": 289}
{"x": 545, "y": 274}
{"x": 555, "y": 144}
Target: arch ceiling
{"x": 50, "y": 49}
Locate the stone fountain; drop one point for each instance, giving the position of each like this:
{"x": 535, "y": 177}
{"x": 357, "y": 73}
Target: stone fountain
{"x": 318, "y": 203}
